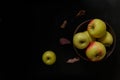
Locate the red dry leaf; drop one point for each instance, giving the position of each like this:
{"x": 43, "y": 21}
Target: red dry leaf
{"x": 64, "y": 41}
{"x": 80, "y": 13}
{"x": 63, "y": 24}
{"x": 73, "y": 60}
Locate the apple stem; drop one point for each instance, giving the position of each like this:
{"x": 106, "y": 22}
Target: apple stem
{"x": 82, "y": 41}
{"x": 48, "y": 58}
{"x": 92, "y": 27}
{"x": 97, "y": 55}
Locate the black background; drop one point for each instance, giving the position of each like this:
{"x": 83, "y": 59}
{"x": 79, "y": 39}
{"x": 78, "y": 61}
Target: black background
{"x": 45, "y": 21}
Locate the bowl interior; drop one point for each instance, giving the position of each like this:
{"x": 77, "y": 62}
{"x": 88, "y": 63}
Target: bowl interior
{"x": 83, "y": 27}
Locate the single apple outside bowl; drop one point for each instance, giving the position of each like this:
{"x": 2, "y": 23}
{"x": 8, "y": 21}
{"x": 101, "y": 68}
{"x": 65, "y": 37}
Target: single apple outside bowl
{"x": 83, "y": 27}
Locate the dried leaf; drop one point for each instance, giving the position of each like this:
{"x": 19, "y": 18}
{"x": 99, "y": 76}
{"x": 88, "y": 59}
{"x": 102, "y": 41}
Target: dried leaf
{"x": 63, "y": 24}
{"x": 73, "y": 60}
{"x": 80, "y": 13}
{"x": 64, "y": 41}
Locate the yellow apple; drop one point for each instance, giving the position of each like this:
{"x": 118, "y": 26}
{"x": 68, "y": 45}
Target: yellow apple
{"x": 49, "y": 57}
{"x": 80, "y": 40}
{"x": 89, "y": 36}
{"x": 96, "y": 51}
{"x": 97, "y": 28}
{"x": 107, "y": 40}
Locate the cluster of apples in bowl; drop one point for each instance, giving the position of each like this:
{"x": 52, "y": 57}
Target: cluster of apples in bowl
{"x": 94, "y": 40}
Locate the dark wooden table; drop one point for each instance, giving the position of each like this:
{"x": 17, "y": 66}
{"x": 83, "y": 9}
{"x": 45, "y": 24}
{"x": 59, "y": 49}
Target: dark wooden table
{"x": 46, "y": 20}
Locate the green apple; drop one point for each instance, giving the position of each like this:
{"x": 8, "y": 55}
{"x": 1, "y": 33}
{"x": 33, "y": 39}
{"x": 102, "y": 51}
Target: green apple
{"x": 107, "y": 40}
{"x": 89, "y": 36}
{"x": 96, "y": 51}
{"x": 97, "y": 28}
{"x": 49, "y": 57}
{"x": 80, "y": 40}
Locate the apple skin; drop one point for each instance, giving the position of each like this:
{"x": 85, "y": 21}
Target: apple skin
{"x": 49, "y": 57}
{"x": 89, "y": 36}
{"x": 96, "y": 51}
{"x": 80, "y": 40}
{"x": 107, "y": 40}
{"x": 97, "y": 28}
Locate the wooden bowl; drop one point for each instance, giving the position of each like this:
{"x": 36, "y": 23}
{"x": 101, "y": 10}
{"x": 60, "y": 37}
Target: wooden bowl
{"x": 83, "y": 27}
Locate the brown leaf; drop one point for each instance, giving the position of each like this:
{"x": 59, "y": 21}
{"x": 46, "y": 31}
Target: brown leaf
{"x": 80, "y": 13}
{"x": 73, "y": 60}
{"x": 63, "y": 24}
{"x": 64, "y": 41}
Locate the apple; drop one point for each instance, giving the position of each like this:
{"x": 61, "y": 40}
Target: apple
{"x": 80, "y": 40}
{"x": 97, "y": 28}
{"x": 89, "y": 36}
{"x": 96, "y": 51}
{"x": 107, "y": 40}
{"x": 49, "y": 57}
